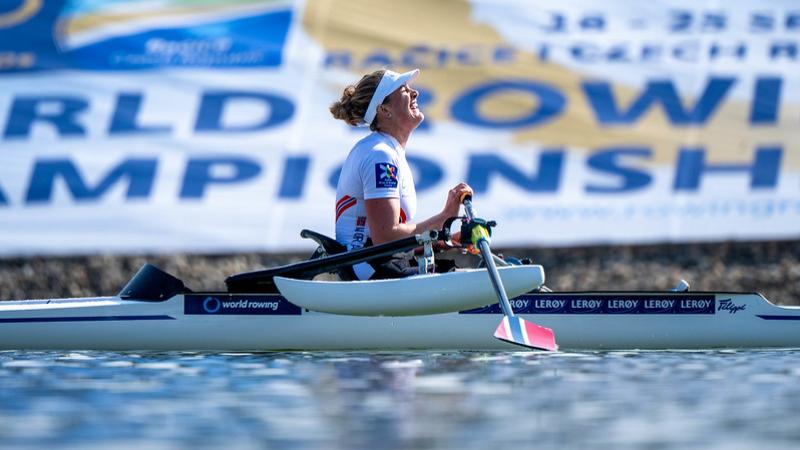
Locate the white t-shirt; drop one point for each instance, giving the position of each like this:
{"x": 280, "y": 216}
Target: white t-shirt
{"x": 375, "y": 168}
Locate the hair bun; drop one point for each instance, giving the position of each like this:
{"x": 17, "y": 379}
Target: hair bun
{"x": 348, "y": 93}
{"x": 353, "y": 103}
{"x": 342, "y": 109}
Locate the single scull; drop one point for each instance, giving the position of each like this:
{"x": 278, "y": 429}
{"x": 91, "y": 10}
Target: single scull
{"x": 289, "y": 308}
{"x": 258, "y": 322}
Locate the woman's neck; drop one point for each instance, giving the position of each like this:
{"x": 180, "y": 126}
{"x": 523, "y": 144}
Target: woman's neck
{"x": 395, "y": 132}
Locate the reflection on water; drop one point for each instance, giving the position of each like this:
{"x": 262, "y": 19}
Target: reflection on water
{"x": 458, "y": 400}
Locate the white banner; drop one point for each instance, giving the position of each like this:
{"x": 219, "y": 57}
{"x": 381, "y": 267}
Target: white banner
{"x": 203, "y": 126}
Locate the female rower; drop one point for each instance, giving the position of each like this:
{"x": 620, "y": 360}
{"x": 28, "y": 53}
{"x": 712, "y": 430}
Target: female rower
{"x": 375, "y": 197}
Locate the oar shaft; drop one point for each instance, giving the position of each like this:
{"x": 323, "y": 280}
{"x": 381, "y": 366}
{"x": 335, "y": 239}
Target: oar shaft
{"x": 494, "y": 275}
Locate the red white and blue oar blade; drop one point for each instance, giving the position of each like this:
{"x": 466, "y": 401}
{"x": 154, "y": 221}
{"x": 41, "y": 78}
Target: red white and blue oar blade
{"x": 517, "y": 330}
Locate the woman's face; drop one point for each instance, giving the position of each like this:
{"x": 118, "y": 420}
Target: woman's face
{"x": 402, "y": 105}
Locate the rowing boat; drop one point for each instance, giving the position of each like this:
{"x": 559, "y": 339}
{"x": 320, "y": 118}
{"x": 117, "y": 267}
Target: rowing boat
{"x": 165, "y": 316}
{"x": 290, "y": 308}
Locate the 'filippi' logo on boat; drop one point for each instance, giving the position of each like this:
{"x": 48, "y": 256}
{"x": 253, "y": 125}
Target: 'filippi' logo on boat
{"x": 728, "y": 305}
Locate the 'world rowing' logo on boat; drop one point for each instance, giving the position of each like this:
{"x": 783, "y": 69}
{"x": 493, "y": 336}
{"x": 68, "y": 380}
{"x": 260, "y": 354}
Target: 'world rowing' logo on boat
{"x": 226, "y": 305}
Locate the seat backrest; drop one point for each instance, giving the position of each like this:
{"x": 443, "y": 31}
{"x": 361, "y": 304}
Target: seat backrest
{"x": 327, "y": 247}
{"x": 330, "y": 245}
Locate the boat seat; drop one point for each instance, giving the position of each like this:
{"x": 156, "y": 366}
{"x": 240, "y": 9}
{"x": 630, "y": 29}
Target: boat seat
{"x": 327, "y": 247}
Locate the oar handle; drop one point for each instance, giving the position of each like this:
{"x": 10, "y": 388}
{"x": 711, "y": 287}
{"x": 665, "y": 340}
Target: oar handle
{"x": 466, "y": 200}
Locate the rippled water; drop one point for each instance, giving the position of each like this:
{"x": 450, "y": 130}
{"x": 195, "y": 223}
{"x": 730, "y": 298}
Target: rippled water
{"x": 458, "y": 400}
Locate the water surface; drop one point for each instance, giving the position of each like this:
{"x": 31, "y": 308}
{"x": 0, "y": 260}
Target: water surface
{"x": 420, "y": 400}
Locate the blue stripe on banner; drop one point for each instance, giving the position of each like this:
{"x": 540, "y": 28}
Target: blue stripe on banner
{"x": 769, "y": 317}
{"x": 84, "y": 319}
{"x": 516, "y": 330}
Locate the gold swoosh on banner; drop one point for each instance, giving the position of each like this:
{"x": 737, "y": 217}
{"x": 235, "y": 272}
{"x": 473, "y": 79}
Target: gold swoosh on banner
{"x": 364, "y": 26}
{"x": 27, "y": 9}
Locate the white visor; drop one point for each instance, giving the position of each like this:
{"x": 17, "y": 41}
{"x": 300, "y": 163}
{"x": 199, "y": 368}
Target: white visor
{"x": 389, "y": 83}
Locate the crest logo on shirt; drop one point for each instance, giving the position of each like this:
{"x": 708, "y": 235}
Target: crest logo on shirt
{"x": 385, "y": 175}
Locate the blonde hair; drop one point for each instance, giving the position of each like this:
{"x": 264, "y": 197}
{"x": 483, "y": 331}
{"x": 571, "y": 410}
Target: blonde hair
{"x": 355, "y": 100}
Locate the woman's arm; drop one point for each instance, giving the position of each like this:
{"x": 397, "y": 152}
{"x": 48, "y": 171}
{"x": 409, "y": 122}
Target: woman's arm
{"x": 383, "y": 216}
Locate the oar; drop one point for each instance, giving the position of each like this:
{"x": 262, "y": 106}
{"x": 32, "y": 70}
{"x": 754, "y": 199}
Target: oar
{"x": 513, "y": 329}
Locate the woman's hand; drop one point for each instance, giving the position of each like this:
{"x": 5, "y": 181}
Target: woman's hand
{"x": 454, "y": 197}
{"x": 442, "y": 246}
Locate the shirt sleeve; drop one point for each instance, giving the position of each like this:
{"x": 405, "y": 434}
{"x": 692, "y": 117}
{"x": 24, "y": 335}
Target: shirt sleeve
{"x": 380, "y": 175}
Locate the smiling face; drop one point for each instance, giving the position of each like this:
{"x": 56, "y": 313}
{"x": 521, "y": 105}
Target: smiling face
{"x": 401, "y": 108}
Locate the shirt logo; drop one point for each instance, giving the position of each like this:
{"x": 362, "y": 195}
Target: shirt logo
{"x": 385, "y": 175}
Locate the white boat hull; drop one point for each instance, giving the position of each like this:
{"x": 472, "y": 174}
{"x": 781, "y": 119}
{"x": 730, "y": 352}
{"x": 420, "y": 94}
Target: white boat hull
{"x": 263, "y": 322}
{"x": 415, "y": 296}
